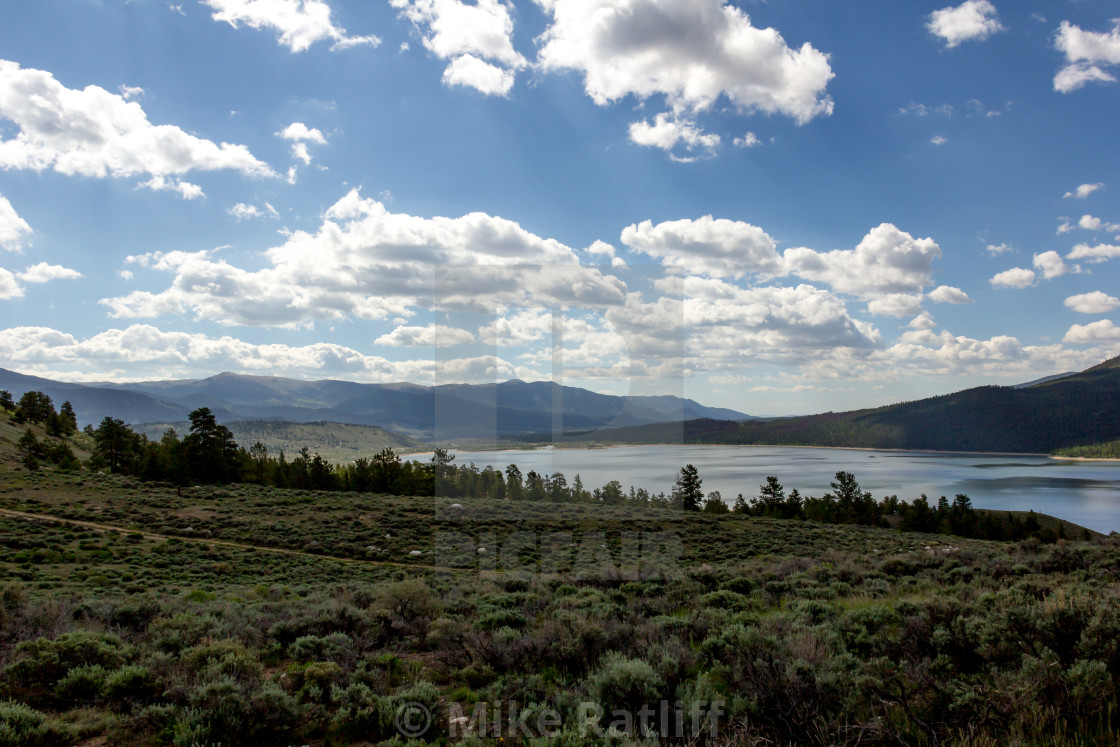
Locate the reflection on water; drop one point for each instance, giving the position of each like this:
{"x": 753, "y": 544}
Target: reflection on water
{"x": 1086, "y": 493}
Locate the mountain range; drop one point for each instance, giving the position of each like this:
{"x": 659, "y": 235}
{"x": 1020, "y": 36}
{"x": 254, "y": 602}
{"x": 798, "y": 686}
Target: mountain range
{"x": 430, "y": 413}
{"x": 1043, "y": 416}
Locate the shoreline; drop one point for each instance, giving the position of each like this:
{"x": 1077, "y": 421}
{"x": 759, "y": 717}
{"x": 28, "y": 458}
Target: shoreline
{"x": 596, "y": 447}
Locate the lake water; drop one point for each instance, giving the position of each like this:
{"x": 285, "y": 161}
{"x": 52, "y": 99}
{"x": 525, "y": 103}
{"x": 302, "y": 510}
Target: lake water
{"x": 1086, "y": 493}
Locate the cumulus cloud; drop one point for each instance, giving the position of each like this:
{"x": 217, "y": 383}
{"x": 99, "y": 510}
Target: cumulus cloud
{"x": 1088, "y": 54}
{"x": 974, "y": 20}
{"x": 1084, "y": 191}
{"x": 692, "y": 52}
{"x": 749, "y": 140}
{"x": 716, "y": 247}
{"x": 300, "y": 23}
{"x": 471, "y": 72}
{"x": 1092, "y": 223}
{"x": 667, "y": 131}
{"x": 923, "y": 321}
{"x": 895, "y": 304}
{"x": 1098, "y": 253}
{"x": 9, "y": 286}
{"x": 431, "y": 335}
{"x": 477, "y": 39}
{"x": 1100, "y": 331}
{"x": 13, "y": 229}
{"x": 948, "y": 294}
{"x": 996, "y": 249}
{"x": 92, "y": 132}
{"x": 43, "y": 272}
{"x": 144, "y": 351}
{"x": 1016, "y": 277}
{"x": 1050, "y": 264}
{"x": 938, "y": 140}
{"x": 729, "y": 326}
{"x": 183, "y": 188}
{"x": 244, "y": 211}
{"x": 887, "y": 260}
{"x": 369, "y": 263}
{"x": 300, "y": 135}
{"x": 1096, "y": 302}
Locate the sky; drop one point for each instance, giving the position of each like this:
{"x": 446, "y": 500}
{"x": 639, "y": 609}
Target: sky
{"x": 777, "y": 207}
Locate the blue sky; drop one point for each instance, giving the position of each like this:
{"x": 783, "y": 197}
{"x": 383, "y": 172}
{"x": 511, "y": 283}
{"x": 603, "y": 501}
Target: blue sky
{"x": 780, "y": 207}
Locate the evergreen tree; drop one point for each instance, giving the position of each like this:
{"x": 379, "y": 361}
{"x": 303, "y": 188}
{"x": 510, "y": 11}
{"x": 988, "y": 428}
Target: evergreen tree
{"x": 211, "y": 452}
{"x": 686, "y": 491}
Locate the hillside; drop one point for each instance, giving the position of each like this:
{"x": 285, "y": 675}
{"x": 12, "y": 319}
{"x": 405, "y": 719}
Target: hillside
{"x": 336, "y": 442}
{"x": 1072, "y": 411}
{"x": 453, "y": 411}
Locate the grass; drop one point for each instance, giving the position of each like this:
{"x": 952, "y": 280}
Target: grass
{"x": 242, "y": 614}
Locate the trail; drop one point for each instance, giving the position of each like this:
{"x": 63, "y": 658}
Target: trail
{"x": 225, "y": 543}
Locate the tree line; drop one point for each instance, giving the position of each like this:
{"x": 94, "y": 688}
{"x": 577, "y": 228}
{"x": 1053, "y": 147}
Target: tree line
{"x": 209, "y": 454}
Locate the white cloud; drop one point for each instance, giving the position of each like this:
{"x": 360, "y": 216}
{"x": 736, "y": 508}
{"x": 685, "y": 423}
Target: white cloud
{"x": 300, "y": 135}
{"x": 142, "y": 351}
{"x": 243, "y": 211}
{"x": 13, "y": 229}
{"x": 366, "y": 262}
{"x": 472, "y": 72}
{"x": 938, "y": 140}
{"x": 948, "y": 294}
{"x": 895, "y": 304}
{"x": 130, "y": 92}
{"x": 1086, "y": 52}
{"x": 923, "y": 321}
{"x": 1100, "y": 331}
{"x": 181, "y": 187}
{"x": 1084, "y": 191}
{"x": 476, "y": 38}
{"x": 974, "y": 20}
{"x": 42, "y": 273}
{"x": 1050, "y": 264}
{"x": 300, "y": 153}
{"x": 996, "y": 249}
{"x": 1096, "y": 302}
{"x": 749, "y": 140}
{"x": 92, "y": 132}
{"x": 692, "y": 52}
{"x": 1098, "y": 253}
{"x": 887, "y": 260}
{"x": 9, "y": 287}
{"x": 298, "y": 131}
{"x": 1016, "y": 277}
{"x": 667, "y": 131}
{"x": 432, "y": 335}
{"x": 717, "y": 247}
{"x": 729, "y": 326}
{"x": 1091, "y": 223}
{"x": 300, "y": 23}
{"x": 921, "y": 110}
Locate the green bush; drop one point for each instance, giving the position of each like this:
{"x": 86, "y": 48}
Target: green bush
{"x": 81, "y": 685}
{"x": 21, "y": 726}
{"x": 622, "y": 683}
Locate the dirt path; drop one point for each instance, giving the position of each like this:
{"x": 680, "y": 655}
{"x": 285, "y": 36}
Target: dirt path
{"x": 224, "y": 543}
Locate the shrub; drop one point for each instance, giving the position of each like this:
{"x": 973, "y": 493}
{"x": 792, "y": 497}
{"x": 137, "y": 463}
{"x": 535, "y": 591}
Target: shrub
{"x": 81, "y": 684}
{"x": 621, "y": 683}
{"x": 131, "y": 682}
{"x": 21, "y": 726}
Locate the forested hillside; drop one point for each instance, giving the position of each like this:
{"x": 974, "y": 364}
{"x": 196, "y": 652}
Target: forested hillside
{"x": 1075, "y": 411}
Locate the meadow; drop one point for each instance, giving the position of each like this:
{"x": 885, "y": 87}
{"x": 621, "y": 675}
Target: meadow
{"x": 143, "y": 614}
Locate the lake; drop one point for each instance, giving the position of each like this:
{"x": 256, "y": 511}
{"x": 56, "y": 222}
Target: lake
{"x": 1086, "y": 493}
